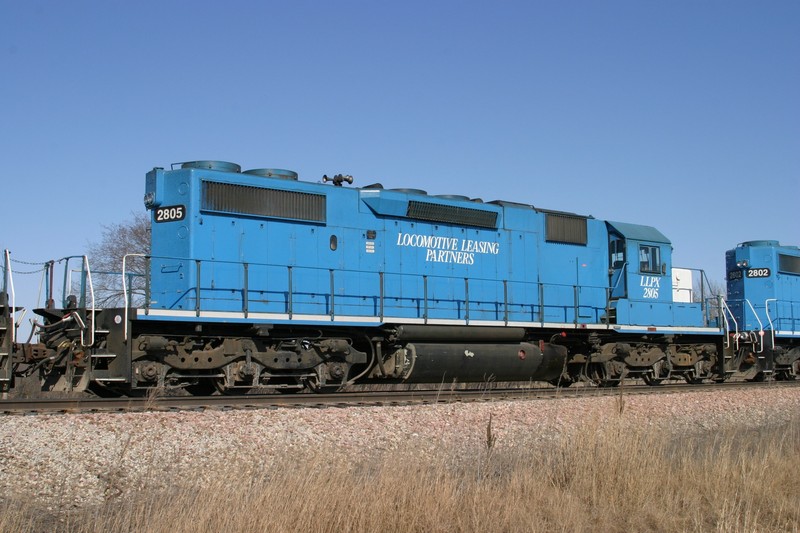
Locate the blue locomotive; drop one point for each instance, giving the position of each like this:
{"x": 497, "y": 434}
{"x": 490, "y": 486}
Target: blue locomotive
{"x": 257, "y": 279}
{"x": 763, "y": 307}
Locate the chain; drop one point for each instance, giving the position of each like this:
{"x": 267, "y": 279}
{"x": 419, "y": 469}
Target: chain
{"x": 29, "y": 263}
{"x": 28, "y": 271}
{"x": 21, "y": 262}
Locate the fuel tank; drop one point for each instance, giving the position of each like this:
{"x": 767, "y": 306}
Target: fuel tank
{"x": 476, "y": 362}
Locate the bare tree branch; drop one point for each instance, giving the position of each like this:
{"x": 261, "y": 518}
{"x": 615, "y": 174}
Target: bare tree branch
{"x": 105, "y": 259}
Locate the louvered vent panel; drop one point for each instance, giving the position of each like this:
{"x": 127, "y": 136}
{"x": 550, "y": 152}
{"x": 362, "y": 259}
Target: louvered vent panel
{"x": 246, "y": 200}
{"x": 451, "y": 214}
{"x": 566, "y": 229}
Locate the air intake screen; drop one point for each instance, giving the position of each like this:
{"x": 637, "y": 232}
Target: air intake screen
{"x": 789, "y": 264}
{"x": 451, "y": 214}
{"x": 566, "y": 228}
{"x": 258, "y": 201}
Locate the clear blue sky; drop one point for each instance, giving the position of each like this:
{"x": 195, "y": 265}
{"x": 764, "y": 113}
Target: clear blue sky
{"x": 684, "y": 115}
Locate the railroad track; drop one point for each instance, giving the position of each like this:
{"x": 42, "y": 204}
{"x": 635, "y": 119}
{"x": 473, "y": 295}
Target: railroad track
{"x": 90, "y": 404}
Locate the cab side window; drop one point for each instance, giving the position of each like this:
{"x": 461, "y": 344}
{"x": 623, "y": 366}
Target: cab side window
{"x": 649, "y": 259}
{"x": 789, "y": 264}
{"x": 617, "y": 252}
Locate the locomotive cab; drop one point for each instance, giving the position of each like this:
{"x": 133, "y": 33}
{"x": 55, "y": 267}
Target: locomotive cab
{"x": 640, "y": 279}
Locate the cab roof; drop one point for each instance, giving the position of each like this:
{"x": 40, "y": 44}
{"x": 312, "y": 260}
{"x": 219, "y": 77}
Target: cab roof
{"x": 638, "y": 233}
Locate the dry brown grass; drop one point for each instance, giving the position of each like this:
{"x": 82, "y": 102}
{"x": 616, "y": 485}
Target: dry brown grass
{"x": 610, "y": 477}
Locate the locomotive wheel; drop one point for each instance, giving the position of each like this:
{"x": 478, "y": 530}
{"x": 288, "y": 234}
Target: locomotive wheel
{"x": 651, "y": 380}
{"x": 561, "y": 382}
{"x": 293, "y": 390}
{"x": 602, "y": 374}
{"x": 102, "y": 392}
{"x": 321, "y": 381}
{"x": 656, "y": 375}
{"x": 203, "y": 387}
{"x": 697, "y": 375}
{"x": 219, "y": 384}
{"x": 313, "y": 384}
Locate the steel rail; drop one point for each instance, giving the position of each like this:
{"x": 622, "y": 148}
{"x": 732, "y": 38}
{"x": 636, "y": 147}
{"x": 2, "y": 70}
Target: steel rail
{"x": 90, "y": 404}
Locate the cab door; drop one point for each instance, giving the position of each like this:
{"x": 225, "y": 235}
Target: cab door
{"x": 617, "y": 265}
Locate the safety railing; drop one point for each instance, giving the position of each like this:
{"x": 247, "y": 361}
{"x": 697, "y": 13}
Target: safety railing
{"x": 8, "y": 288}
{"x": 710, "y": 313}
{"x": 84, "y": 287}
{"x": 769, "y": 320}
{"x": 760, "y": 328}
{"x": 623, "y": 272}
{"x": 199, "y": 285}
{"x": 744, "y": 308}
{"x": 785, "y": 318}
{"x": 726, "y": 313}
{"x": 125, "y": 292}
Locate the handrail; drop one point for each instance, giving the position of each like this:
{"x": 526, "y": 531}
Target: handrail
{"x": 10, "y": 285}
{"x": 703, "y": 292}
{"x": 760, "y": 325}
{"x": 86, "y": 277}
{"x": 727, "y": 325}
{"x": 91, "y": 292}
{"x": 251, "y": 265}
{"x": 427, "y": 281}
{"x": 704, "y": 282}
{"x": 785, "y": 320}
{"x": 769, "y": 319}
{"x": 623, "y": 269}
{"x": 125, "y": 301}
{"x": 66, "y": 288}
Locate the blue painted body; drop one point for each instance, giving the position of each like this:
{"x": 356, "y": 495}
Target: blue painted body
{"x": 366, "y": 260}
{"x": 764, "y": 288}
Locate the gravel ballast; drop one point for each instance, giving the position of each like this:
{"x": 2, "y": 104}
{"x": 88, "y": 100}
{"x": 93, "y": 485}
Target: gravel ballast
{"x": 78, "y": 459}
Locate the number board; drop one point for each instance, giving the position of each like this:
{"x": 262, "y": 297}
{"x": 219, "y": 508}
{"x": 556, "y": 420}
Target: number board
{"x": 758, "y": 273}
{"x": 170, "y": 213}
{"x": 749, "y": 273}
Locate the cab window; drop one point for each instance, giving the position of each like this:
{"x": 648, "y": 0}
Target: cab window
{"x": 649, "y": 259}
{"x": 617, "y": 252}
{"x": 789, "y": 264}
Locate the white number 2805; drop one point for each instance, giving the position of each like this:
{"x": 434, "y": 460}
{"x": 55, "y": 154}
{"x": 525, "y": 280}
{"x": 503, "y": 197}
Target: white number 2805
{"x": 170, "y": 213}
